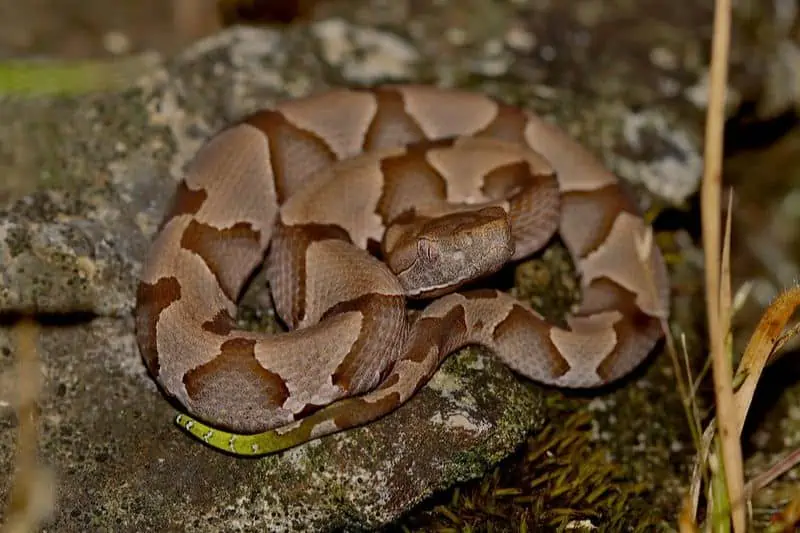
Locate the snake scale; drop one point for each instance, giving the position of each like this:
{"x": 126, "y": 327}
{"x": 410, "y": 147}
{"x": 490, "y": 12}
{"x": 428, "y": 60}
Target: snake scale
{"x": 446, "y": 187}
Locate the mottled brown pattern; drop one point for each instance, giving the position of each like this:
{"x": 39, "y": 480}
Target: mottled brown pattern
{"x": 381, "y": 337}
{"x": 408, "y": 217}
{"x": 185, "y": 201}
{"x": 455, "y": 223}
{"x": 287, "y": 266}
{"x": 534, "y": 212}
{"x": 295, "y": 154}
{"x": 602, "y": 294}
{"x": 593, "y": 214}
{"x": 391, "y": 126}
{"x": 480, "y": 294}
{"x": 503, "y": 180}
{"x": 407, "y": 178}
{"x": 222, "y": 323}
{"x": 308, "y": 410}
{"x": 532, "y": 334}
{"x": 508, "y": 126}
{"x": 236, "y": 368}
{"x": 636, "y": 332}
{"x": 636, "y": 335}
{"x": 392, "y": 380}
{"x": 227, "y": 252}
{"x": 233, "y": 389}
{"x": 151, "y": 299}
{"x": 360, "y": 412}
{"x": 448, "y": 333}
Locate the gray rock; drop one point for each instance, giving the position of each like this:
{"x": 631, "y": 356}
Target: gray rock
{"x": 120, "y": 462}
{"x": 71, "y": 252}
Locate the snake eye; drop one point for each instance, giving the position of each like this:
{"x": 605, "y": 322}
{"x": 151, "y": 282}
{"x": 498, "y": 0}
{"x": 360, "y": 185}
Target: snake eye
{"x": 428, "y": 250}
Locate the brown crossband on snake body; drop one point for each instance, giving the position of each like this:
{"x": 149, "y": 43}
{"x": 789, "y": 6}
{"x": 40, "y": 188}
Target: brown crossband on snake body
{"x": 448, "y": 186}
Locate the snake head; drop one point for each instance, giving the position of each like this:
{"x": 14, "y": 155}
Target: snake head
{"x": 435, "y": 256}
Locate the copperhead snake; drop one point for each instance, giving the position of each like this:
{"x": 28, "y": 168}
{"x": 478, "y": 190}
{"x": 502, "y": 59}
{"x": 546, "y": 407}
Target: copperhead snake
{"x": 447, "y": 186}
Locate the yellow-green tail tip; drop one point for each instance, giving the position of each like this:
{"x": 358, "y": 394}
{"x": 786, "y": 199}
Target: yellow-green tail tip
{"x": 234, "y": 443}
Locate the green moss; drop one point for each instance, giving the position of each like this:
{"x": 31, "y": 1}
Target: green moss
{"x": 51, "y": 77}
{"x": 559, "y": 477}
{"x": 548, "y": 283}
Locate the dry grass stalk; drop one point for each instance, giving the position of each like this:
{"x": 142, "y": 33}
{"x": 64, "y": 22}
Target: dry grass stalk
{"x": 699, "y": 469}
{"x": 763, "y": 479}
{"x": 33, "y": 491}
{"x": 718, "y": 296}
{"x": 686, "y": 522}
{"x": 767, "y": 338}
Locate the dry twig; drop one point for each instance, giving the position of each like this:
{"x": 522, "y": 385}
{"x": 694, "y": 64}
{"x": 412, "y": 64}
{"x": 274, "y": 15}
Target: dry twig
{"x": 33, "y": 491}
{"x": 717, "y": 308}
